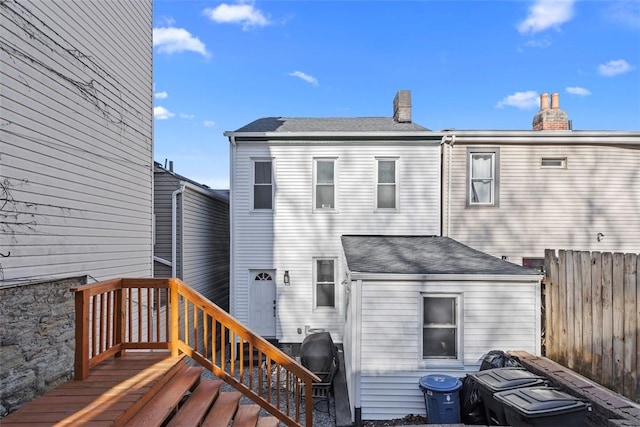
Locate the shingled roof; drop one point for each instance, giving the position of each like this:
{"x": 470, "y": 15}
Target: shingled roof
{"x": 422, "y": 255}
{"x": 329, "y": 124}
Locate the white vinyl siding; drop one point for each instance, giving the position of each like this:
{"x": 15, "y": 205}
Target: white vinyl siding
{"x": 495, "y": 314}
{"x": 293, "y": 235}
{"x": 76, "y": 162}
{"x": 550, "y": 207}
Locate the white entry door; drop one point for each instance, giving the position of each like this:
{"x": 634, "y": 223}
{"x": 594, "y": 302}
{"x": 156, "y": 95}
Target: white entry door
{"x": 262, "y": 300}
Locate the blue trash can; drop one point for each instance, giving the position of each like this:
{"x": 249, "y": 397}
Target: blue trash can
{"x": 441, "y": 398}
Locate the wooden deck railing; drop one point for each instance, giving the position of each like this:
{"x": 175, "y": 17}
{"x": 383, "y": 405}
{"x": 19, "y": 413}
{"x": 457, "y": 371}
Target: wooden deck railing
{"x": 125, "y": 314}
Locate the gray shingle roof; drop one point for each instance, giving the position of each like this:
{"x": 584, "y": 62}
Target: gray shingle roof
{"x": 335, "y": 124}
{"x": 422, "y": 255}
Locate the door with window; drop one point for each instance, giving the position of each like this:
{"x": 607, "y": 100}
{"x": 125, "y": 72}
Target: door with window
{"x": 262, "y": 303}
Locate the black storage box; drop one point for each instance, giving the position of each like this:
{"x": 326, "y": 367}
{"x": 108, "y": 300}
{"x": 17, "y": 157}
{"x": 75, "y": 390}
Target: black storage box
{"x": 542, "y": 406}
{"x": 502, "y": 379}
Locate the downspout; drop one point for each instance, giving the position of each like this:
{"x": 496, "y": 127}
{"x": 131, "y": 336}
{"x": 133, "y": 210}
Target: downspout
{"x": 451, "y": 141}
{"x": 174, "y": 229}
{"x": 232, "y": 234}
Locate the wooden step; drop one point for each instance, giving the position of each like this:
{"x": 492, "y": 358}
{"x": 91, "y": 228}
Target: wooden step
{"x": 197, "y": 405}
{"x": 268, "y": 422}
{"x": 247, "y": 416}
{"x": 224, "y": 409}
{"x": 162, "y": 405}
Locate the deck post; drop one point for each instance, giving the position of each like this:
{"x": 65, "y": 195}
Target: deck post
{"x": 173, "y": 303}
{"x": 81, "y": 363}
{"x": 119, "y": 320}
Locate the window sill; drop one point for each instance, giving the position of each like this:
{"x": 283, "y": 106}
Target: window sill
{"x": 441, "y": 363}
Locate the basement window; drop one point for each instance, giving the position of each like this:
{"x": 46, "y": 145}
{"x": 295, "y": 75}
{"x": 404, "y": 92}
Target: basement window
{"x": 553, "y": 162}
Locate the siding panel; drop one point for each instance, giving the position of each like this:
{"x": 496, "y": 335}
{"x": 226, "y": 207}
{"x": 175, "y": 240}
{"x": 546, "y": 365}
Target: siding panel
{"x": 77, "y": 133}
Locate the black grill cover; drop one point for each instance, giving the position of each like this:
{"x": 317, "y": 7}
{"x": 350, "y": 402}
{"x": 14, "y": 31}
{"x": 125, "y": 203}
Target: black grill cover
{"x": 318, "y": 353}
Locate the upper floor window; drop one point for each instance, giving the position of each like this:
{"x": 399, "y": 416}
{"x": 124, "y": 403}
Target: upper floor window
{"x": 440, "y": 327}
{"x": 262, "y": 184}
{"x": 483, "y": 173}
{"x": 386, "y": 184}
{"x": 325, "y": 184}
{"x": 325, "y": 283}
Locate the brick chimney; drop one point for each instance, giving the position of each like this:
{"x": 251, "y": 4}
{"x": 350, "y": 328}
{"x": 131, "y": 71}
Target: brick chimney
{"x": 550, "y": 118}
{"x": 402, "y": 106}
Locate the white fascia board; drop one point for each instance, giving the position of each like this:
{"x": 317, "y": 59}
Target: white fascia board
{"x": 427, "y": 134}
{"x": 447, "y": 277}
{"x": 546, "y": 137}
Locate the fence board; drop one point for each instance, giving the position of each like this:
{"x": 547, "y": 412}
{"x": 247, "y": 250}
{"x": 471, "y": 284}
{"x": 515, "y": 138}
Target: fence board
{"x": 617, "y": 292}
{"x": 607, "y": 318}
{"x": 587, "y": 320}
{"x": 562, "y": 308}
{"x": 596, "y": 312}
{"x": 630, "y": 375}
{"x": 576, "y": 288}
{"x": 570, "y": 347}
{"x": 592, "y": 316}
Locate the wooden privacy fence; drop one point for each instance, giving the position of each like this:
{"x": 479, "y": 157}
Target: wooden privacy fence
{"x": 592, "y": 316}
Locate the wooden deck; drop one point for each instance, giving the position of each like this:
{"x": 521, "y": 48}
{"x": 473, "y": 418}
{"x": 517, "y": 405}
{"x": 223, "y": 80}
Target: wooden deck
{"x": 114, "y": 391}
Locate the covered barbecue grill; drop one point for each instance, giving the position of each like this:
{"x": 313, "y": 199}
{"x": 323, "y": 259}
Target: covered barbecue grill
{"x": 319, "y": 355}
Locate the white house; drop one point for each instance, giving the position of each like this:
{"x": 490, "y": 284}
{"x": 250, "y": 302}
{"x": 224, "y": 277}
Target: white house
{"x": 514, "y": 194}
{"x": 419, "y": 305}
{"x": 297, "y": 186}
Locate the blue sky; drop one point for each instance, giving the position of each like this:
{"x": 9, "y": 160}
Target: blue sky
{"x": 469, "y": 65}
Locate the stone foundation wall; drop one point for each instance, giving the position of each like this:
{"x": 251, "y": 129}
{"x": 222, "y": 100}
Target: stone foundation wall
{"x": 37, "y": 328}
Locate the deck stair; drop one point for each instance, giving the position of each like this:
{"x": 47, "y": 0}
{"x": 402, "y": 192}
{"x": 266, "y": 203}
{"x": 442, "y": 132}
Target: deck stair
{"x": 142, "y": 389}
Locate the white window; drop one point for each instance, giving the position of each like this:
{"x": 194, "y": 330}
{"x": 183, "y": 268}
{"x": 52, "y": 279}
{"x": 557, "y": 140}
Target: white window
{"x": 262, "y": 184}
{"x": 483, "y": 173}
{"x": 386, "y": 184}
{"x": 325, "y": 184}
{"x": 553, "y": 162}
{"x": 441, "y": 326}
{"x": 325, "y": 282}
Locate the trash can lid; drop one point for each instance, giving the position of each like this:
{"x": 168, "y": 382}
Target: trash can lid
{"x": 439, "y": 382}
{"x": 541, "y": 401}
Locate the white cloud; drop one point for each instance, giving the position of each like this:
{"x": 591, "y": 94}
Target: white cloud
{"x": 161, "y": 95}
{"x": 522, "y": 100}
{"x": 580, "y": 91}
{"x": 544, "y": 14}
{"x": 161, "y": 113}
{"x": 306, "y": 77}
{"x": 245, "y": 14}
{"x": 175, "y": 40}
{"x": 615, "y": 67}
{"x": 209, "y": 123}
{"x": 186, "y": 116}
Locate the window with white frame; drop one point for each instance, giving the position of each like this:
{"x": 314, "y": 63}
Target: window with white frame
{"x": 483, "y": 173}
{"x": 325, "y": 184}
{"x": 440, "y": 327}
{"x": 262, "y": 184}
{"x": 386, "y": 184}
{"x": 325, "y": 282}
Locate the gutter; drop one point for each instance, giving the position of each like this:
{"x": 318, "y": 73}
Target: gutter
{"x": 174, "y": 228}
